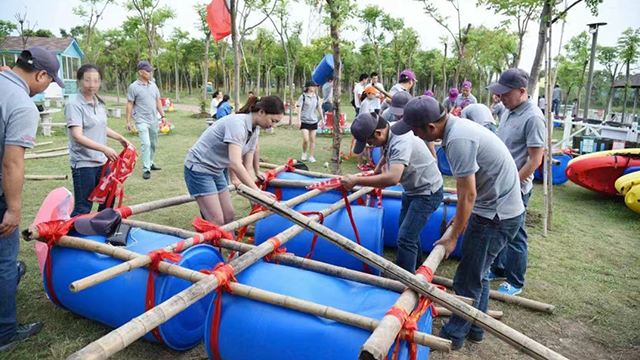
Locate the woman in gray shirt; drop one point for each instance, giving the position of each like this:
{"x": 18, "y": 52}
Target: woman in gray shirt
{"x": 309, "y": 115}
{"x": 88, "y": 132}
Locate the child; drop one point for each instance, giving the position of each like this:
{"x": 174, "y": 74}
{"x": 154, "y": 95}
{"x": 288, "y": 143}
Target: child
{"x": 224, "y": 108}
{"x": 308, "y": 116}
{"x": 216, "y": 98}
{"x": 371, "y": 101}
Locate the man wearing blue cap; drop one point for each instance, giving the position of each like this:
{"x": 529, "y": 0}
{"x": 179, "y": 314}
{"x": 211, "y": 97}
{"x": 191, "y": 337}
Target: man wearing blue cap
{"x": 524, "y": 132}
{"x": 489, "y": 202}
{"x": 143, "y": 99}
{"x": 406, "y": 160}
{"x": 34, "y": 71}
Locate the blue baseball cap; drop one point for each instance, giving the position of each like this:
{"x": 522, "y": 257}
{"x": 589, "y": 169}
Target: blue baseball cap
{"x": 509, "y": 80}
{"x": 43, "y": 59}
{"x": 419, "y": 112}
{"x": 144, "y": 65}
{"x": 363, "y": 128}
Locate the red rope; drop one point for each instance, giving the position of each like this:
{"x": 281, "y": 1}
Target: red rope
{"x": 210, "y": 232}
{"x": 315, "y": 236}
{"x": 243, "y": 230}
{"x": 124, "y": 211}
{"x": 277, "y": 249}
{"x": 224, "y": 274}
{"x": 112, "y": 185}
{"x": 425, "y": 271}
{"x": 272, "y": 174}
{"x": 353, "y": 223}
{"x": 150, "y": 299}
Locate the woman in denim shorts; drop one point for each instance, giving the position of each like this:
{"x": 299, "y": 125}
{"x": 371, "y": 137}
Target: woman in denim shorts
{"x": 228, "y": 144}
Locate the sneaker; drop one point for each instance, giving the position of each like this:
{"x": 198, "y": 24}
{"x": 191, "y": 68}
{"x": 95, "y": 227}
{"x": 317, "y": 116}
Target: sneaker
{"x": 22, "y": 333}
{"x": 509, "y": 289}
{"x": 493, "y": 276}
{"x": 312, "y": 159}
{"x": 475, "y": 338}
{"x": 304, "y": 156}
{"x": 155, "y": 168}
{"x": 455, "y": 346}
{"x": 22, "y": 270}
{"x": 146, "y": 175}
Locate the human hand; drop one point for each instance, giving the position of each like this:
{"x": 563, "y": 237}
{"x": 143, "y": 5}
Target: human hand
{"x": 448, "y": 242}
{"x": 10, "y": 223}
{"x": 348, "y": 182}
{"x": 110, "y": 153}
{"x": 129, "y": 126}
{"x": 270, "y": 195}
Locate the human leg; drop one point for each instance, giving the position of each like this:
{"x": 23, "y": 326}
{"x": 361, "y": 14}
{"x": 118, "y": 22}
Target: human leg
{"x": 84, "y": 182}
{"x": 145, "y": 145}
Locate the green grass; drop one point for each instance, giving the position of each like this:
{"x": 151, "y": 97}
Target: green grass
{"x": 588, "y": 266}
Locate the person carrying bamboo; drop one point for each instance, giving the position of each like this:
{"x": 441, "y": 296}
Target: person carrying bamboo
{"x": 489, "y": 202}
{"x": 407, "y": 160}
{"x": 229, "y": 143}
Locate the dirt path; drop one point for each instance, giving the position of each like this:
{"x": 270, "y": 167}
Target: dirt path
{"x": 182, "y": 107}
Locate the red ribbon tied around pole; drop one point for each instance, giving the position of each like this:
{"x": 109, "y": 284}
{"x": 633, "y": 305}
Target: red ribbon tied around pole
{"x": 112, "y": 185}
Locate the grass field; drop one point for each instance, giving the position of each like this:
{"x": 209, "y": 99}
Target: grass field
{"x": 589, "y": 266}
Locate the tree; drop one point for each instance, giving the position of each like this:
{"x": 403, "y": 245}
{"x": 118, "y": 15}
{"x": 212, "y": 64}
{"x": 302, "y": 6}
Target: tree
{"x": 371, "y": 15}
{"x": 24, "y": 33}
{"x": 629, "y": 50}
{"x": 177, "y": 38}
{"x": 131, "y": 28}
{"x": 152, "y": 18}
{"x": 201, "y": 9}
{"x": 91, "y": 11}
{"x": 264, "y": 40}
{"x": 6, "y": 28}
{"x": 608, "y": 57}
{"x": 569, "y": 74}
{"x": 578, "y": 50}
{"x": 38, "y": 33}
{"x": 74, "y": 32}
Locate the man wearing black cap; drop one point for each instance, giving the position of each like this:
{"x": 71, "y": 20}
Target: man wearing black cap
{"x": 34, "y": 71}
{"x": 406, "y": 160}
{"x": 489, "y": 202}
{"x": 524, "y": 132}
{"x": 396, "y": 110}
{"x": 143, "y": 99}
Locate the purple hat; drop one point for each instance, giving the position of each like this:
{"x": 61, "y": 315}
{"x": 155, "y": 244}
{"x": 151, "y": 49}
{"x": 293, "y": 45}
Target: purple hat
{"x": 407, "y": 74}
{"x": 419, "y": 112}
{"x": 43, "y": 59}
{"x": 104, "y": 223}
{"x": 464, "y": 103}
{"x": 509, "y": 80}
{"x": 144, "y": 65}
{"x": 429, "y": 93}
{"x": 453, "y": 94}
{"x": 466, "y": 84}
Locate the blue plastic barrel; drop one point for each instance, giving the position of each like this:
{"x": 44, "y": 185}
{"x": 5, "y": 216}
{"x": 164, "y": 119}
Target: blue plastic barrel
{"x": 254, "y": 330}
{"x": 443, "y": 163}
{"x": 291, "y": 192}
{"x": 631, "y": 169}
{"x": 376, "y": 155}
{"x": 115, "y": 302}
{"x": 324, "y": 70}
{"x": 559, "y": 176}
{"x": 368, "y": 222}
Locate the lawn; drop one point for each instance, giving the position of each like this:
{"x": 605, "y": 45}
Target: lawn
{"x": 589, "y": 266}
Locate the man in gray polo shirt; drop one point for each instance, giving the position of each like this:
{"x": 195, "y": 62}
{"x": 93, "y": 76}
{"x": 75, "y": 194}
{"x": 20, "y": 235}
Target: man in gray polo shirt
{"x": 480, "y": 114}
{"x": 35, "y": 70}
{"x": 143, "y": 99}
{"x": 407, "y": 161}
{"x": 489, "y": 202}
{"x": 327, "y": 96}
{"x": 524, "y": 132}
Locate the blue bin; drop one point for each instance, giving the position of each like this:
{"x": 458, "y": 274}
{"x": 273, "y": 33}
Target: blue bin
{"x": 443, "y": 163}
{"x": 559, "y": 176}
{"x": 376, "y": 155}
{"x": 324, "y": 70}
{"x": 254, "y": 330}
{"x": 368, "y": 222}
{"x": 631, "y": 169}
{"x": 117, "y": 301}
{"x": 329, "y": 197}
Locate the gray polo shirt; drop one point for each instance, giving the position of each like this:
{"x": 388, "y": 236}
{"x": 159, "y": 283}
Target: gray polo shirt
{"x": 92, "y": 118}
{"x": 308, "y": 105}
{"x": 473, "y": 149}
{"x": 447, "y": 104}
{"x": 327, "y": 92}
{"x": 499, "y": 110}
{"x": 520, "y": 129}
{"x": 144, "y": 97}
{"x": 472, "y": 99}
{"x": 478, "y": 113}
{"x": 421, "y": 175}
{"x": 18, "y": 115}
{"x": 210, "y": 154}
{"x": 557, "y": 93}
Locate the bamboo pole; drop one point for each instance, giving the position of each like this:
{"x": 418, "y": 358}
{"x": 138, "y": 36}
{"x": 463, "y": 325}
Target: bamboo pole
{"x": 290, "y": 259}
{"x": 496, "y": 295}
{"x": 496, "y": 314}
{"x": 126, "y": 334}
{"x": 301, "y": 172}
{"x": 253, "y": 293}
{"x": 46, "y": 177}
{"x": 467, "y": 312}
{"x": 46, "y": 155}
{"x": 43, "y": 143}
{"x": 163, "y": 203}
{"x": 49, "y": 150}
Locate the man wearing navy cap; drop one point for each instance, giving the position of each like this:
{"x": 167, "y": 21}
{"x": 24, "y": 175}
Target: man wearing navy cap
{"x": 143, "y": 99}
{"x": 524, "y": 132}
{"x": 406, "y": 160}
{"x": 34, "y": 71}
{"x": 489, "y": 202}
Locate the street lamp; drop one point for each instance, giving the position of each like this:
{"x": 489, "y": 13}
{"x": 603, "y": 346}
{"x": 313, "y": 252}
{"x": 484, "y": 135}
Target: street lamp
{"x": 593, "y": 29}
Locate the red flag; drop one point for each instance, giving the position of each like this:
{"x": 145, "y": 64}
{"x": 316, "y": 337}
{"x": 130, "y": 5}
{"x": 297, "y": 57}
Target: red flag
{"x": 219, "y": 19}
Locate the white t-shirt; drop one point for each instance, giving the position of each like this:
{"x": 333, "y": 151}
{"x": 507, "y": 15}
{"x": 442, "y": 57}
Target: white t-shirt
{"x": 214, "y": 106}
{"x": 369, "y": 106}
{"x": 357, "y": 92}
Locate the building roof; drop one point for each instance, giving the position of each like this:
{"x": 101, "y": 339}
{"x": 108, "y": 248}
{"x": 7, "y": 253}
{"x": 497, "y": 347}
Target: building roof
{"x": 634, "y": 81}
{"x": 55, "y": 44}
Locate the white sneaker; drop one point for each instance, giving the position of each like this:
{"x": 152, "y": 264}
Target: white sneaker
{"x": 304, "y": 157}
{"x": 312, "y": 159}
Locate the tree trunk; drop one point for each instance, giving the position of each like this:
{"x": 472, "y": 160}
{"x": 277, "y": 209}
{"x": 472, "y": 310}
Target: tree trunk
{"x": 150, "y": 47}
{"x": 607, "y": 111}
{"x": 291, "y": 77}
{"x": 566, "y": 102}
{"x": 635, "y": 106}
{"x": 540, "y": 49}
{"x": 431, "y": 80}
{"x": 337, "y": 86}
{"x": 584, "y": 69}
{"x": 516, "y": 59}
{"x": 379, "y": 62}
{"x": 489, "y": 92}
{"x": 205, "y": 70}
{"x": 463, "y": 43}
{"x": 117, "y": 82}
{"x": 259, "y": 71}
{"x": 159, "y": 79}
{"x": 176, "y": 81}
{"x": 626, "y": 90}
{"x": 236, "y": 53}
{"x": 190, "y": 82}
{"x": 444, "y": 74}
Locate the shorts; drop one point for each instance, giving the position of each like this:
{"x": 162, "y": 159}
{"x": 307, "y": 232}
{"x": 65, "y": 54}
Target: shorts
{"x": 310, "y": 127}
{"x": 201, "y": 184}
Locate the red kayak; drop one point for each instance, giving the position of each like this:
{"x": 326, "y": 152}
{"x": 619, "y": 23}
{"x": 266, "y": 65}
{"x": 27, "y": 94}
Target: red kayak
{"x": 601, "y": 172}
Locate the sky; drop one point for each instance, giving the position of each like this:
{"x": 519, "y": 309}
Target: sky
{"x": 619, "y": 14}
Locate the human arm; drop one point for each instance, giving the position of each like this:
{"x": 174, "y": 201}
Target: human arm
{"x": 432, "y": 149}
{"x": 115, "y": 136}
{"x": 536, "y": 135}
{"x": 129, "y": 113}
{"x": 12, "y": 181}
{"x": 535, "y": 159}
{"x": 387, "y": 178}
{"x": 256, "y": 163}
{"x": 380, "y": 167}
{"x": 160, "y": 108}
{"x": 466, "y": 190}
{"x": 238, "y": 168}
{"x": 78, "y": 136}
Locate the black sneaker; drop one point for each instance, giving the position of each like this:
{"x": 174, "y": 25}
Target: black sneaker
{"x": 22, "y": 333}
{"x": 474, "y": 338}
{"x": 22, "y": 270}
{"x": 146, "y": 175}
{"x": 155, "y": 168}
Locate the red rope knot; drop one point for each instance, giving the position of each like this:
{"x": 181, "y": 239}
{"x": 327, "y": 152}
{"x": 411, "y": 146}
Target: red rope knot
{"x": 272, "y": 174}
{"x": 425, "y": 271}
{"x": 277, "y": 249}
{"x": 315, "y": 236}
{"x": 125, "y": 211}
{"x": 159, "y": 255}
{"x": 224, "y": 274}
{"x": 53, "y": 230}
{"x": 212, "y": 233}
{"x": 150, "y": 298}
{"x": 410, "y": 326}
{"x": 398, "y": 312}
{"x": 112, "y": 185}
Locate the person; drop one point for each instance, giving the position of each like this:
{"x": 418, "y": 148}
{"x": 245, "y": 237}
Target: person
{"x": 555, "y": 100}
{"x": 523, "y": 130}
{"x": 450, "y": 102}
{"x": 377, "y": 84}
{"x": 35, "y": 69}
{"x": 370, "y": 100}
{"x": 309, "y": 116}
{"x": 466, "y": 95}
{"x": 87, "y": 128}
{"x": 406, "y": 160}
{"x": 395, "y": 112}
{"x": 497, "y": 107}
{"x": 489, "y": 203}
{"x": 574, "y": 108}
{"x": 405, "y": 82}
{"x": 480, "y": 114}
{"x": 542, "y": 103}
{"x": 224, "y": 108}
{"x": 143, "y": 100}
{"x": 250, "y": 94}
{"x": 229, "y": 143}
{"x": 327, "y": 96}
{"x": 358, "y": 89}
{"x": 216, "y": 98}
{"x": 429, "y": 93}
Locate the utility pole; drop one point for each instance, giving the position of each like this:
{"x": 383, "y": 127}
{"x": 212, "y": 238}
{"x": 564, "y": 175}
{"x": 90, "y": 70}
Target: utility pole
{"x": 593, "y": 29}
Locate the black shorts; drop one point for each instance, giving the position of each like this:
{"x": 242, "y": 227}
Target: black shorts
{"x": 310, "y": 127}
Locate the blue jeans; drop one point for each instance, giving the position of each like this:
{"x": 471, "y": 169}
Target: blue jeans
{"x": 511, "y": 263}
{"x": 492, "y": 128}
{"x": 483, "y": 240}
{"x": 555, "y": 106}
{"x": 414, "y": 214}
{"x": 148, "y": 138}
{"x": 9, "y": 248}
{"x": 85, "y": 181}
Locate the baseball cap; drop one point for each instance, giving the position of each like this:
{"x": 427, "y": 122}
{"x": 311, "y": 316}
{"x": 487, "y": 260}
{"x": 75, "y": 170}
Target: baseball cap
{"x": 43, "y": 59}
{"x": 363, "y": 127}
{"x": 466, "y": 84}
{"x": 419, "y": 111}
{"x": 398, "y": 102}
{"x": 509, "y": 80}
{"x": 453, "y": 94}
{"x": 407, "y": 74}
{"x": 429, "y": 93}
{"x": 310, "y": 83}
{"x": 370, "y": 90}
{"x": 144, "y": 65}
{"x": 104, "y": 223}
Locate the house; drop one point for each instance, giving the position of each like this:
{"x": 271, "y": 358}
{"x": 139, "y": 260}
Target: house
{"x": 69, "y": 55}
